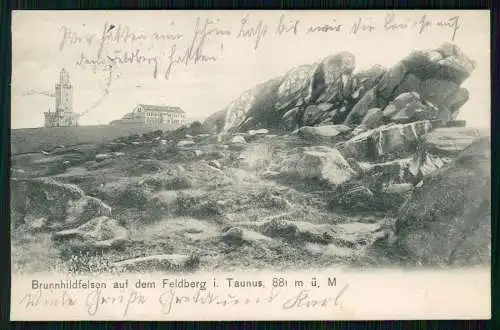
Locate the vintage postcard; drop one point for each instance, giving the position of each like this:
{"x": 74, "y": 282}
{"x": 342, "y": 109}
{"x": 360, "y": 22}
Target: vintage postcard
{"x": 250, "y": 165}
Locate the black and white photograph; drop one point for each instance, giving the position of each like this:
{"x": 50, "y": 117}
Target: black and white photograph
{"x": 222, "y": 142}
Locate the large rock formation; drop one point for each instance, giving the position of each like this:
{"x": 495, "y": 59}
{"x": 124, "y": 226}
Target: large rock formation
{"x": 446, "y": 221}
{"x": 423, "y": 86}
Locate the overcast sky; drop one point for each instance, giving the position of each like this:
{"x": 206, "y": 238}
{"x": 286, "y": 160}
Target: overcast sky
{"x": 205, "y": 87}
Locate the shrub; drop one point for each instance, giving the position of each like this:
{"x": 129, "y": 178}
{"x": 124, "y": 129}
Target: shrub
{"x": 82, "y": 263}
{"x": 195, "y": 207}
{"x": 57, "y": 168}
{"x": 176, "y": 182}
{"x": 133, "y": 197}
{"x": 152, "y": 135}
{"x": 166, "y": 152}
{"x": 144, "y": 167}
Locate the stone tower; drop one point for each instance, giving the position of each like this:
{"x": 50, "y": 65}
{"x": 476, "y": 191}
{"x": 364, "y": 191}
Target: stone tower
{"x": 64, "y": 93}
{"x": 63, "y": 115}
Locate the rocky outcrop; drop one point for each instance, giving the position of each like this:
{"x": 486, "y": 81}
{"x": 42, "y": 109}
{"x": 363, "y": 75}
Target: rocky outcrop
{"x": 353, "y": 236}
{"x": 446, "y": 221}
{"x": 372, "y": 119}
{"x": 98, "y": 233}
{"x": 407, "y": 107}
{"x": 250, "y": 110}
{"x": 295, "y": 87}
{"x": 321, "y": 163}
{"x": 450, "y": 141}
{"x": 425, "y": 85}
{"x": 314, "y": 114}
{"x": 389, "y": 140}
{"x": 45, "y": 203}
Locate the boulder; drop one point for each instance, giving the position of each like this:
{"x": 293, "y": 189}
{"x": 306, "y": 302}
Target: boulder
{"x": 424, "y": 163}
{"x": 455, "y": 65}
{"x": 373, "y": 118}
{"x": 295, "y": 87}
{"x": 450, "y": 141}
{"x": 447, "y": 62}
{"x": 447, "y": 221}
{"x": 170, "y": 262}
{"x": 322, "y": 163}
{"x": 416, "y": 112}
{"x": 261, "y": 131}
{"x": 237, "y": 110}
{"x": 404, "y": 170}
{"x": 332, "y": 78}
{"x": 46, "y": 203}
{"x": 334, "y": 66}
{"x": 411, "y": 83}
{"x": 100, "y": 232}
{"x": 238, "y": 139}
{"x": 392, "y": 139}
{"x": 101, "y": 157}
{"x": 325, "y": 131}
{"x": 367, "y": 79}
{"x": 359, "y": 234}
{"x": 359, "y": 129}
{"x": 360, "y": 109}
{"x": 335, "y": 116}
{"x": 351, "y": 235}
{"x": 397, "y": 188}
{"x": 238, "y": 236}
{"x": 254, "y": 107}
{"x": 395, "y": 171}
{"x": 456, "y": 101}
{"x": 389, "y": 81}
{"x": 215, "y": 163}
{"x": 336, "y": 92}
{"x": 315, "y": 113}
{"x": 354, "y": 196}
{"x": 85, "y": 209}
{"x": 404, "y": 103}
{"x": 438, "y": 92}
{"x": 423, "y": 64}
{"x": 297, "y": 231}
{"x": 290, "y": 120}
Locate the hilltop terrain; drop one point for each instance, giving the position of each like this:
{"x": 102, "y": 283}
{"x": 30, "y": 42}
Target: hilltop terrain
{"x": 322, "y": 167}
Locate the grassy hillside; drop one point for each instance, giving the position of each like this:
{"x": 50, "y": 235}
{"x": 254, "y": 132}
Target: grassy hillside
{"x": 205, "y": 201}
{"x": 35, "y": 139}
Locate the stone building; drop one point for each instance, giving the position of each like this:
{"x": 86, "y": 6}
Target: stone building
{"x": 63, "y": 116}
{"x": 154, "y": 116}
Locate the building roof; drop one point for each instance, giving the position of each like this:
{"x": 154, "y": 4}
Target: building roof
{"x": 161, "y": 108}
